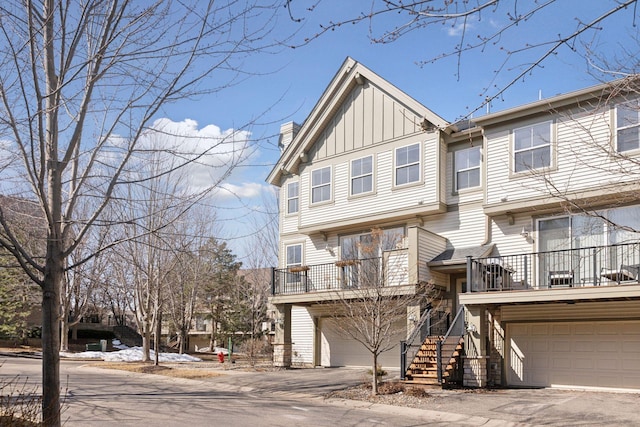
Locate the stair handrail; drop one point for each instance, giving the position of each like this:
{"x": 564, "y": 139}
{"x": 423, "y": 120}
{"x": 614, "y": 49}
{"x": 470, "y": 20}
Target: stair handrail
{"x": 418, "y": 327}
{"x": 447, "y": 335}
{"x": 406, "y": 344}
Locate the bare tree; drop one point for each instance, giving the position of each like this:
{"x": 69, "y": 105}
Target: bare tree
{"x": 372, "y": 308}
{"x": 80, "y": 83}
{"x": 506, "y": 33}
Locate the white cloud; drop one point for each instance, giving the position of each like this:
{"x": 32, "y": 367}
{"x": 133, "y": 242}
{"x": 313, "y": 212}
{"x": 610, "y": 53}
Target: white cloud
{"x": 211, "y": 153}
{"x": 246, "y": 190}
{"x": 458, "y": 29}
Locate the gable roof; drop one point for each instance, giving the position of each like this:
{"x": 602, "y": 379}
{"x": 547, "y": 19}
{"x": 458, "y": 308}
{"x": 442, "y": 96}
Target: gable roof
{"x": 350, "y": 74}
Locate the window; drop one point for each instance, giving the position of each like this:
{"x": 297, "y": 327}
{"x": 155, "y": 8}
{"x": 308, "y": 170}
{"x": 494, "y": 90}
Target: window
{"x": 292, "y": 197}
{"x": 361, "y": 246}
{"x": 408, "y": 164}
{"x": 362, "y": 175}
{"x": 628, "y": 127}
{"x": 532, "y": 147}
{"x": 467, "y": 167}
{"x": 294, "y": 255}
{"x": 294, "y": 259}
{"x": 321, "y": 185}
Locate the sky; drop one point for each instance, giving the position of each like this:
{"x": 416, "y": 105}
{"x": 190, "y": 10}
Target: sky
{"x": 287, "y": 82}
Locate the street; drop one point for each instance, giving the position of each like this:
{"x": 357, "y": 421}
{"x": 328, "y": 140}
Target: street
{"x": 101, "y": 397}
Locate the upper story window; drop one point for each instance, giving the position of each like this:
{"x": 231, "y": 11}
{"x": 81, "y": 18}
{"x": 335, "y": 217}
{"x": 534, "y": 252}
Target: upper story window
{"x": 294, "y": 255}
{"x": 628, "y": 127}
{"x": 467, "y": 168}
{"x": 321, "y": 185}
{"x": 362, "y": 175}
{"x": 532, "y": 147}
{"x": 293, "y": 189}
{"x": 407, "y": 164}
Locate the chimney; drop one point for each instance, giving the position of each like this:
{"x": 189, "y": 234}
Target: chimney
{"x": 288, "y": 131}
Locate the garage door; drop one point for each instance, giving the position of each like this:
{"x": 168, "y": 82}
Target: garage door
{"x": 338, "y": 350}
{"x": 574, "y": 354}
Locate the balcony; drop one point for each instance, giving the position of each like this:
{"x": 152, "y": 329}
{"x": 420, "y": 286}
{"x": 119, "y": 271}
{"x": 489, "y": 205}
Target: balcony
{"x": 563, "y": 269}
{"x": 391, "y": 269}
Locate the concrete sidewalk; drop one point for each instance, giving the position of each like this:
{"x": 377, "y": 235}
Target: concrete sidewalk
{"x": 498, "y": 407}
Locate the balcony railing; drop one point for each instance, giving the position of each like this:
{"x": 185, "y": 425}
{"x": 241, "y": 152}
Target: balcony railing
{"x": 591, "y": 266}
{"x": 391, "y": 269}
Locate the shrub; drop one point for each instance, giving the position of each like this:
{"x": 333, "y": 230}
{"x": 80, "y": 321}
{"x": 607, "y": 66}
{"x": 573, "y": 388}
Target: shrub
{"x": 390, "y": 387}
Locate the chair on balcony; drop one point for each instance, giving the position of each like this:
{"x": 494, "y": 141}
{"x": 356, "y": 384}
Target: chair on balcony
{"x": 626, "y": 273}
{"x": 561, "y": 278}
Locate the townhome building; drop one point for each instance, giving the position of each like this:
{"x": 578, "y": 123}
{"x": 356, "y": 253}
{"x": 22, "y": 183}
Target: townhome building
{"x": 525, "y": 221}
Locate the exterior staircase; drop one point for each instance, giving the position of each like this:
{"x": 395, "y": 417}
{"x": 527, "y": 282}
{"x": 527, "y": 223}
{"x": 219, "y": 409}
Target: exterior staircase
{"x": 423, "y": 369}
{"x": 127, "y": 336}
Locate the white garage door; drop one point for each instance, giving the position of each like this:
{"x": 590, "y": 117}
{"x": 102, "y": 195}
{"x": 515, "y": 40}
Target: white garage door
{"x": 574, "y": 354}
{"x": 338, "y": 350}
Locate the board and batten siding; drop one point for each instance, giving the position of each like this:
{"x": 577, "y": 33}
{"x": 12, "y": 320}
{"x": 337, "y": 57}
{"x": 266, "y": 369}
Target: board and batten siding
{"x": 385, "y": 198}
{"x": 367, "y": 116}
{"x": 302, "y": 336}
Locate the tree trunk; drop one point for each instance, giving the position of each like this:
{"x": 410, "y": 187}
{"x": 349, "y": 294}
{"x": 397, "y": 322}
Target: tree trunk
{"x": 64, "y": 333}
{"x": 157, "y": 337}
{"x": 51, "y": 338}
{"x": 146, "y": 342}
{"x": 374, "y": 384}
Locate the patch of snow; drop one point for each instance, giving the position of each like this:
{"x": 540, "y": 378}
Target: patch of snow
{"x": 117, "y": 344}
{"x": 133, "y": 354}
{"x": 216, "y": 350}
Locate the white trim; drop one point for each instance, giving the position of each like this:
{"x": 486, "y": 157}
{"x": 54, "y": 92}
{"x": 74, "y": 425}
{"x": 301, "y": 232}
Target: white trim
{"x": 324, "y": 184}
{"x": 419, "y": 163}
{"x": 362, "y": 175}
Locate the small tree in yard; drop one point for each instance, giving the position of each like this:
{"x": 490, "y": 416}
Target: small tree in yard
{"x": 373, "y": 306}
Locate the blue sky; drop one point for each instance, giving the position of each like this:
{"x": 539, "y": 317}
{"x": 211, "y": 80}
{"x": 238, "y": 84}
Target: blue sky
{"x": 290, "y": 81}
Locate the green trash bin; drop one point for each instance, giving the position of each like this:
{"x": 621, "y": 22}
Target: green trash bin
{"x": 96, "y": 346}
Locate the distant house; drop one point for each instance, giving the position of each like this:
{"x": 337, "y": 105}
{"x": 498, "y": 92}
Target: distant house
{"x": 526, "y": 220}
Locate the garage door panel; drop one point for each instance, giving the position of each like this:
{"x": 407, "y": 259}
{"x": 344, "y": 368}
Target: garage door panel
{"x": 582, "y": 354}
{"x": 337, "y": 349}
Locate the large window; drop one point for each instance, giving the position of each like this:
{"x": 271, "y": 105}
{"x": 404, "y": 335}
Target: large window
{"x": 408, "y": 164}
{"x": 362, "y": 175}
{"x": 628, "y": 127}
{"x": 467, "y": 167}
{"x": 532, "y": 147}
{"x": 365, "y": 245}
{"x": 293, "y": 189}
{"x": 321, "y": 185}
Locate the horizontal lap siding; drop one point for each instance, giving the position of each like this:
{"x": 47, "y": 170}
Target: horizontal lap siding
{"x": 301, "y": 336}
{"x": 384, "y": 199}
{"x": 581, "y": 311}
{"x": 581, "y": 162}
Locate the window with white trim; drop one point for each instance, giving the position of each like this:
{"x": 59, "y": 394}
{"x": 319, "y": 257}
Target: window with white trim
{"x": 407, "y": 166}
{"x": 294, "y": 255}
{"x": 362, "y": 175}
{"x": 294, "y": 259}
{"x": 293, "y": 189}
{"x": 627, "y": 127}
{"x": 467, "y": 168}
{"x": 321, "y": 185}
{"x": 532, "y": 147}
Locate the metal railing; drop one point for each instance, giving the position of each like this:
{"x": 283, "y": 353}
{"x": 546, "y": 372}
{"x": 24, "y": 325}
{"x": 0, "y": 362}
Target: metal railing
{"x": 387, "y": 270}
{"x": 457, "y": 330}
{"x": 433, "y": 322}
{"x": 590, "y": 266}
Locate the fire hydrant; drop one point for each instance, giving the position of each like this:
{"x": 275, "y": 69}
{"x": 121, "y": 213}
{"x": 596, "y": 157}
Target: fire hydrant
{"x": 220, "y": 357}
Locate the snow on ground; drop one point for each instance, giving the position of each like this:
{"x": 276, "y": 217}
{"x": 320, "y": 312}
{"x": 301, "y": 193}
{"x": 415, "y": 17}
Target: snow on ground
{"x": 133, "y": 354}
